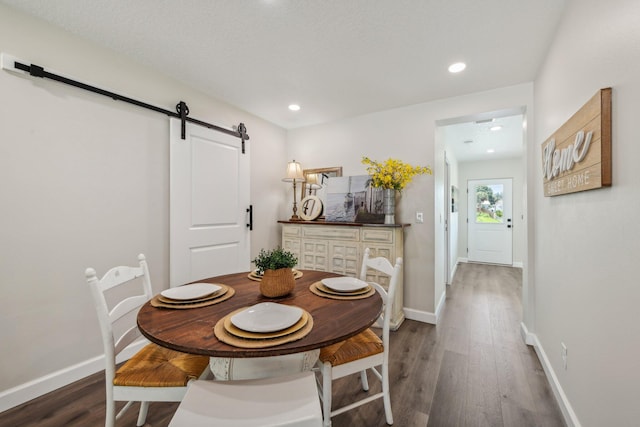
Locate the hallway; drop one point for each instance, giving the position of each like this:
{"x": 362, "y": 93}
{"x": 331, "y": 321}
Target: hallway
{"x": 473, "y": 369}
{"x": 488, "y": 376}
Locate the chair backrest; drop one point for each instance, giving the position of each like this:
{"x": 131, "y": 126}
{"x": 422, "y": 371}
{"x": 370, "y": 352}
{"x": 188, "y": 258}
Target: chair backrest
{"x": 393, "y": 271}
{"x": 114, "y": 278}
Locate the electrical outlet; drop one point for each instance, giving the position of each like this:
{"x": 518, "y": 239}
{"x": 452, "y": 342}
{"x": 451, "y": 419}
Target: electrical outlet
{"x": 419, "y": 217}
{"x": 564, "y": 355}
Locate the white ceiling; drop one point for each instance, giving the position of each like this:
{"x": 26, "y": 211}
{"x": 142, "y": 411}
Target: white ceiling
{"x": 470, "y": 141}
{"x": 336, "y": 58}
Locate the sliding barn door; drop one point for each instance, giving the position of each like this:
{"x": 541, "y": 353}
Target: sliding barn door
{"x": 209, "y": 197}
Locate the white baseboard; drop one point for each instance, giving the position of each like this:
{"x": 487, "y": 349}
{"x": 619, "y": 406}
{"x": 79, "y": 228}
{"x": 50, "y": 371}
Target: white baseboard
{"x": 453, "y": 273}
{"x": 570, "y": 417}
{"x": 527, "y": 337}
{"x": 426, "y": 316}
{"x": 517, "y": 264}
{"x": 35, "y": 388}
{"x": 420, "y": 316}
{"x": 440, "y": 306}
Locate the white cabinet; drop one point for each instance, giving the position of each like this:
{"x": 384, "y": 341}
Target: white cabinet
{"x": 339, "y": 248}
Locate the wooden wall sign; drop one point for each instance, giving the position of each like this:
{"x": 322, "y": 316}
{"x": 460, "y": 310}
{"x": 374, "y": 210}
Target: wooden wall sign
{"x": 577, "y": 157}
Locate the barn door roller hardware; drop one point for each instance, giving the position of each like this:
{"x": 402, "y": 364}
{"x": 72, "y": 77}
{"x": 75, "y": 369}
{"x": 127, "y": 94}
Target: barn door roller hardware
{"x": 10, "y": 63}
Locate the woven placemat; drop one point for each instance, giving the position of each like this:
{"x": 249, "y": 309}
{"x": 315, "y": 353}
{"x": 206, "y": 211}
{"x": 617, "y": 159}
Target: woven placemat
{"x": 226, "y": 337}
{"x": 241, "y": 333}
{"x": 314, "y": 289}
{"x": 253, "y": 276}
{"x": 217, "y": 294}
{"x": 155, "y": 301}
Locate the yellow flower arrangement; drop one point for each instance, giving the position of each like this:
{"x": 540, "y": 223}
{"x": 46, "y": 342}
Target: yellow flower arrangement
{"x": 393, "y": 174}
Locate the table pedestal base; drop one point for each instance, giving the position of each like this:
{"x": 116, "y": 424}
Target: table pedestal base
{"x": 246, "y": 368}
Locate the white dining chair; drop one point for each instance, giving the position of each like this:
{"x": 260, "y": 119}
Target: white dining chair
{"x": 154, "y": 373}
{"x": 363, "y": 351}
{"x": 268, "y": 402}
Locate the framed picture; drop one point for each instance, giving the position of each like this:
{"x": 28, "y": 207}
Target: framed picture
{"x": 317, "y": 181}
{"x": 454, "y": 198}
{"x": 353, "y": 199}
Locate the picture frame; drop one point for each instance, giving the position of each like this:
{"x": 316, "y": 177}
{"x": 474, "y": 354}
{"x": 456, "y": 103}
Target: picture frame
{"x": 354, "y": 199}
{"x": 316, "y": 183}
{"x": 454, "y": 199}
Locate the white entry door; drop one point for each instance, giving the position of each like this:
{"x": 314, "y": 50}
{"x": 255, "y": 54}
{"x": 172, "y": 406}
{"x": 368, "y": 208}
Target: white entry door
{"x": 209, "y": 197}
{"x": 490, "y": 221}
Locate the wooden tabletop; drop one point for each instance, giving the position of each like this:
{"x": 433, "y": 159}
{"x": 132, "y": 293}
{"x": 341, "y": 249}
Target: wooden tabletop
{"x": 191, "y": 330}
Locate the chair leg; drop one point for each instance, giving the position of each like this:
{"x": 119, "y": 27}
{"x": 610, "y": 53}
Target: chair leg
{"x": 326, "y": 394}
{"x": 110, "y": 418}
{"x": 386, "y": 393}
{"x": 142, "y": 415}
{"x": 363, "y": 380}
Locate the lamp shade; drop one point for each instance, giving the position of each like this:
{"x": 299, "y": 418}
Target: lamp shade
{"x": 312, "y": 178}
{"x": 312, "y": 181}
{"x": 294, "y": 172}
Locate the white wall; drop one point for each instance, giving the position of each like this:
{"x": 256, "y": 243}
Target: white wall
{"x": 408, "y": 134}
{"x": 500, "y": 168}
{"x": 586, "y": 244}
{"x": 84, "y": 182}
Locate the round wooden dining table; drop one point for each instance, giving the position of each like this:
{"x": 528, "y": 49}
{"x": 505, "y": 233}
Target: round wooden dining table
{"x": 192, "y": 330}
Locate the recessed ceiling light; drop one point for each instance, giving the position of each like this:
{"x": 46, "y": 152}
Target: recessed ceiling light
{"x": 491, "y": 150}
{"x": 457, "y": 67}
{"x": 495, "y": 128}
{"x": 294, "y": 107}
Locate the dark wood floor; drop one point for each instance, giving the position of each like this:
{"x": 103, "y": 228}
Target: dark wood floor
{"x": 471, "y": 370}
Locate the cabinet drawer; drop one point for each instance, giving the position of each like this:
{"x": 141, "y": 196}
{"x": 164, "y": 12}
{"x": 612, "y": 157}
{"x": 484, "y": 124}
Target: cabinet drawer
{"x": 291, "y": 231}
{"x": 337, "y": 233}
{"x": 377, "y": 235}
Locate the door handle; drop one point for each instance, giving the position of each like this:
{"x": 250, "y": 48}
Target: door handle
{"x": 250, "y": 212}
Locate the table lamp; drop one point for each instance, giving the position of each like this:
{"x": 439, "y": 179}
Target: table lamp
{"x": 312, "y": 183}
{"x": 294, "y": 174}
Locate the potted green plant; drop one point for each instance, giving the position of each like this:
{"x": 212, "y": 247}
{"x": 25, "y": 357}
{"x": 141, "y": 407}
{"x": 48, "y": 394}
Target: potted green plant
{"x": 276, "y": 268}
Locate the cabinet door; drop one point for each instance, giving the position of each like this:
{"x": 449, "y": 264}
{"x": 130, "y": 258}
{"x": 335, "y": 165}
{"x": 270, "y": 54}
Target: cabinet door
{"x": 344, "y": 258}
{"x": 385, "y": 251}
{"x": 293, "y": 246}
{"x": 291, "y": 241}
{"x": 314, "y": 255}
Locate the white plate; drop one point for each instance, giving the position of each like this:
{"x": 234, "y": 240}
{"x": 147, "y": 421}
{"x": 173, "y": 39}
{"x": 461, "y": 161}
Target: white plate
{"x": 266, "y": 317}
{"x": 193, "y": 291}
{"x": 344, "y": 284}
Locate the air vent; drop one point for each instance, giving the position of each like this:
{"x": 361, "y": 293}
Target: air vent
{"x": 468, "y": 141}
{"x": 479, "y": 122}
